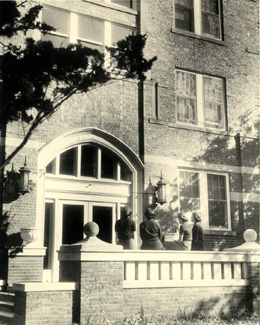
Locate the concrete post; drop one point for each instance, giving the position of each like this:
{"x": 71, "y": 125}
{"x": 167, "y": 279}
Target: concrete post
{"x": 253, "y": 261}
{"x": 99, "y": 275}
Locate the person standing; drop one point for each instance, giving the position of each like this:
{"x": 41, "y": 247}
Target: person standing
{"x": 197, "y": 233}
{"x": 185, "y": 235}
{"x": 125, "y": 228}
{"x": 150, "y": 232}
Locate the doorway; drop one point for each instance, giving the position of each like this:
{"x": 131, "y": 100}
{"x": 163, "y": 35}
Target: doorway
{"x": 103, "y": 216}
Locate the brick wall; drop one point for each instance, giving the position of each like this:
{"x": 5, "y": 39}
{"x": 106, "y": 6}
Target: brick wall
{"x": 101, "y": 286}
{"x": 44, "y": 307}
{"x": 25, "y": 269}
{"x": 186, "y": 301}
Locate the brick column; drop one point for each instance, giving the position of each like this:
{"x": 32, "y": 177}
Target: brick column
{"x": 253, "y": 257}
{"x": 26, "y": 266}
{"x": 96, "y": 266}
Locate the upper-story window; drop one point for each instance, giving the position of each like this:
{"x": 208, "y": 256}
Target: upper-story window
{"x": 125, "y": 3}
{"x": 89, "y": 161}
{"x": 60, "y": 20}
{"x": 200, "y": 100}
{"x": 202, "y": 17}
{"x": 90, "y": 31}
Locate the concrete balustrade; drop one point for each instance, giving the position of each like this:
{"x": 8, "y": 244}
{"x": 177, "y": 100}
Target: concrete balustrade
{"x": 111, "y": 283}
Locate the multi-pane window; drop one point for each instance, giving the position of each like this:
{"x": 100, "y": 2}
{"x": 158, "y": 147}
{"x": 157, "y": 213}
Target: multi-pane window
{"x": 184, "y": 15}
{"x": 200, "y": 100}
{"x": 207, "y": 194}
{"x": 217, "y": 200}
{"x": 119, "y": 32}
{"x": 91, "y": 32}
{"x": 125, "y": 3}
{"x": 60, "y": 20}
{"x": 89, "y": 161}
{"x": 202, "y": 17}
{"x": 189, "y": 191}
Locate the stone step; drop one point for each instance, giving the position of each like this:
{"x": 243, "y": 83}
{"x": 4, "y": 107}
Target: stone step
{"x": 6, "y": 307}
{"x": 6, "y": 296}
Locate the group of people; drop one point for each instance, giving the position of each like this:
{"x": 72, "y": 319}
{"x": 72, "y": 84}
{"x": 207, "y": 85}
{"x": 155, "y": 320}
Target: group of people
{"x": 191, "y": 236}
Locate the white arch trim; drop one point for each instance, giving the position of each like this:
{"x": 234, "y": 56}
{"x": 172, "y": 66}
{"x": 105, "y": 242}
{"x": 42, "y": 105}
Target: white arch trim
{"x": 89, "y": 135}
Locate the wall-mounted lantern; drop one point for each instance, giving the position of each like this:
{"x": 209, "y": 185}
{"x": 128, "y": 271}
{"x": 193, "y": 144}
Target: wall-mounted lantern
{"x": 161, "y": 191}
{"x": 24, "y": 179}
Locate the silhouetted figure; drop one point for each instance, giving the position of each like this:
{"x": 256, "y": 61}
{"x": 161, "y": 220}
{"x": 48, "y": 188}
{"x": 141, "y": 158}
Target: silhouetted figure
{"x": 185, "y": 235}
{"x": 150, "y": 232}
{"x": 125, "y": 228}
{"x": 197, "y": 233}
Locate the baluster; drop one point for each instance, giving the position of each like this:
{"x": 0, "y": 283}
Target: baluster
{"x": 130, "y": 271}
{"x": 186, "y": 274}
{"x": 197, "y": 271}
{"x": 207, "y": 272}
{"x": 142, "y": 271}
{"x": 217, "y": 271}
{"x": 227, "y": 271}
{"x": 165, "y": 271}
{"x": 237, "y": 270}
{"x": 154, "y": 271}
{"x": 176, "y": 271}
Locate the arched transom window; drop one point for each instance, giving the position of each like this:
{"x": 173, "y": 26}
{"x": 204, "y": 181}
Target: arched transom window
{"x": 89, "y": 160}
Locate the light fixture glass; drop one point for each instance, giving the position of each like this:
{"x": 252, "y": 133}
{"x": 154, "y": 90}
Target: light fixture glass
{"x": 24, "y": 178}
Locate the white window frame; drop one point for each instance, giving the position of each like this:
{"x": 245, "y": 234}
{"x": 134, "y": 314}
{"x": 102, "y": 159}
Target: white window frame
{"x": 73, "y": 28}
{"x": 204, "y": 206}
{"x": 56, "y": 171}
{"x": 200, "y": 101}
{"x": 198, "y": 20}
{"x": 134, "y": 4}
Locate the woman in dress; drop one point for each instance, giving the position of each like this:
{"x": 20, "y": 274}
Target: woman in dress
{"x": 197, "y": 233}
{"x": 125, "y": 228}
{"x": 150, "y": 232}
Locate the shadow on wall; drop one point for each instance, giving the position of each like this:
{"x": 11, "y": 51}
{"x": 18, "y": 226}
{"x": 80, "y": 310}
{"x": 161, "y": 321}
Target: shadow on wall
{"x": 236, "y": 306}
{"x": 10, "y": 245}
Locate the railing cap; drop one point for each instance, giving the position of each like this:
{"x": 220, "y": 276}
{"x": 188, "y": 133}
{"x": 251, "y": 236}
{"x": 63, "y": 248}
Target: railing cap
{"x": 250, "y": 244}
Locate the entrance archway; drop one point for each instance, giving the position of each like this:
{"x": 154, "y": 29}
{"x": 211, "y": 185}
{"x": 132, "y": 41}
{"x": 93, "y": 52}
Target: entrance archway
{"x": 86, "y": 175}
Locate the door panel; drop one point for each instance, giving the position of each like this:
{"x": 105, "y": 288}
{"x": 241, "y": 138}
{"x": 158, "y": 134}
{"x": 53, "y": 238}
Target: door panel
{"x": 49, "y": 234}
{"x": 72, "y": 223}
{"x": 103, "y": 216}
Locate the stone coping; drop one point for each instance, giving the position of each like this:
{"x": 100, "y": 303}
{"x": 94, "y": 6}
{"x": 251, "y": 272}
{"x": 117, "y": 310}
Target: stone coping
{"x": 77, "y": 254}
{"x": 30, "y": 251}
{"x": 45, "y": 286}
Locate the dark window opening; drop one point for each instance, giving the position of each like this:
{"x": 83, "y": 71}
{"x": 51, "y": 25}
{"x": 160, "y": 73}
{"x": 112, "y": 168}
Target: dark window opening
{"x": 88, "y": 161}
{"x": 50, "y": 168}
{"x": 68, "y": 162}
{"x": 108, "y": 165}
{"x": 72, "y": 229}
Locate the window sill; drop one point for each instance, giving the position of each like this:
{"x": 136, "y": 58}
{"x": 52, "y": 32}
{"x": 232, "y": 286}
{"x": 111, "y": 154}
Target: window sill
{"x": 220, "y": 232}
{"x": 197, "y": 128}
{"x": 200, "y": 37}
{"x": 154, "y": 120}
{"x": 113, "y": 6}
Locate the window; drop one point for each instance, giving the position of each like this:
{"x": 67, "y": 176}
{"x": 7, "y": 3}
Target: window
{"x": 89, "y": 161}
{"x": 60, "y": 20}
{"x": 119, "y": 32}
{"x": 207, "y": 194}
{"x": 91, "y": 32}
{"x": 200, "y": 100}
{"x": 202, "y": 17}
{"x": 125, "y": 3}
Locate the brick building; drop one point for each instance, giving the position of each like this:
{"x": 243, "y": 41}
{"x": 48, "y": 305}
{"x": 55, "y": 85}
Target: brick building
{"x": 193, "y": 122}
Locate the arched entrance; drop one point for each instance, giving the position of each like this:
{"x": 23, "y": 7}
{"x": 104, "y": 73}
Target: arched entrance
{"x": 86, "y": 175}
